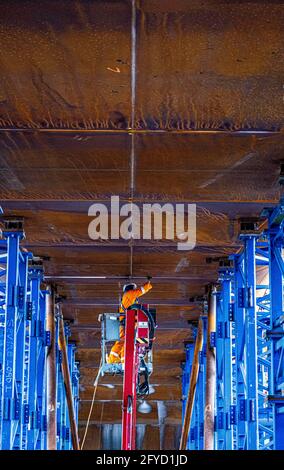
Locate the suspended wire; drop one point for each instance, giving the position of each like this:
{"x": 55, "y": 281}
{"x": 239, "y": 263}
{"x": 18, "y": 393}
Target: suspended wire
{"x": 92, "y": 404}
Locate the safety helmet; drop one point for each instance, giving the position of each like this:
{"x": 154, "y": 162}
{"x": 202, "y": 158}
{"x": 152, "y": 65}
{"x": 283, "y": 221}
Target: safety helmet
{"x": 128, "y": 287}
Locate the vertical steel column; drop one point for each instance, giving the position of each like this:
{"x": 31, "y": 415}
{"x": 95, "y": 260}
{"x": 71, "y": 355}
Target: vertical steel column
{"x": 220, "y": 368}
{"x": 8, "y": 399}
{"x": 277, "y": 333}
{"x": 20, "y": 441}
{"x": 59, "y": 387}
{"x": 3, "y": 270}
{"x": 240, "y": 345}
{"x": 210, "y": 374}
{"x": 228, "y": 359}
{"x": 68, "y": 385}
{"x": 51, "y": 371}
{"x": 192, "y": 386}
{"x": 74, "y": 375}
{"x": 44, "y": 338}
{"x": 224, "y": 356}
{"x": 251, "y": 342}
{"x": 264, "y": 359}
{"x": 35, "y": 280}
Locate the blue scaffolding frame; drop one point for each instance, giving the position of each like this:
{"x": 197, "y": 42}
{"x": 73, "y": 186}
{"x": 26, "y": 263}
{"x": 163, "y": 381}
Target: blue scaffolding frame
{"x": 252, "y": 315}
{"x": 275, "y": 237}
{"x": 249, "y": 340}
{"x": 23, "y": 348}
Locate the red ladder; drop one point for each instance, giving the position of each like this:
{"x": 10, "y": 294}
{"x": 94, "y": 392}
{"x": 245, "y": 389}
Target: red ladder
{"x": 135, "y": 340}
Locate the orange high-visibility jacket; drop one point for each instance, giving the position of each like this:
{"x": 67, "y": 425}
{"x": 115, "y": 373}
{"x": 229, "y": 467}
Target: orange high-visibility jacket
{"x": 129, "y": 298}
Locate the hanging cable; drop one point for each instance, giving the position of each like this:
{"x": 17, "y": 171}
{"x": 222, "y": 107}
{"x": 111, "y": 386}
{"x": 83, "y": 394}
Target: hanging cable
{"x": 92, "y": 404}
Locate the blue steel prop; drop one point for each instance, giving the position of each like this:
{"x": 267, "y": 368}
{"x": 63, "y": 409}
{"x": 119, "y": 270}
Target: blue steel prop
{"x": 11, "y": 384}
{"x": 252, "y": 315}
{"x": 225, "y": 407}
{"x": 23, "y": 347}
{"x": 36, "y": 355}
{"x": 75, "y": 376}
{"x": 275, "y": 236}
{"x": 246, "y": 346}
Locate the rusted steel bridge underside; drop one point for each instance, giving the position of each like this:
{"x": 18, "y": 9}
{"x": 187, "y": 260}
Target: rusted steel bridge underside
{"x": 154, "y": 101}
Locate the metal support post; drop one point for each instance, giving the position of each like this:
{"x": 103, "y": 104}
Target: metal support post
{"x": 44, "y": 343}
{"x": 51, "y": 371}
{"x": 251, "y": 342}
{"x": 209, "y": 409}
{"x": 224, "y": 356}
{"x": 264, "y": 344}
{"x": 34, "y": 373}
{"x": 10, "y": 405}
{"x": 240, "y": 344}
{"x": 20, "y": 441}
{"x": 74, "y": 375}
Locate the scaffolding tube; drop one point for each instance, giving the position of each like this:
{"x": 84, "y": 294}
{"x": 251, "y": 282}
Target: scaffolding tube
{"x": 51, "y": 371}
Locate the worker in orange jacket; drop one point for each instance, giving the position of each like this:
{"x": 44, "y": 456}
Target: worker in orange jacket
{"x": 130, "y": 295}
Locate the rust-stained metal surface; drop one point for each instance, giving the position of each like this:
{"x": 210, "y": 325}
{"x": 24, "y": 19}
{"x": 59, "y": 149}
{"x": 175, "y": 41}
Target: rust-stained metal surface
{"x": 215, "y": 64}
{"x": 203, "y": 167}
{"x": 74, "y": 77}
